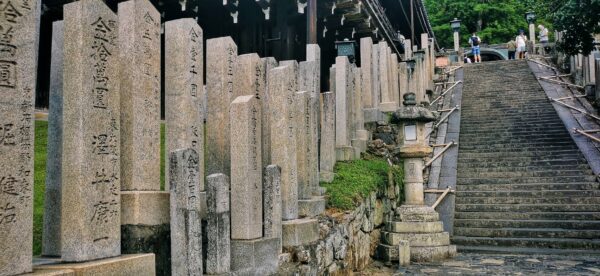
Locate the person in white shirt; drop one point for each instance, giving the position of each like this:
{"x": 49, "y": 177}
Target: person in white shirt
{"x": 521, "y": 44}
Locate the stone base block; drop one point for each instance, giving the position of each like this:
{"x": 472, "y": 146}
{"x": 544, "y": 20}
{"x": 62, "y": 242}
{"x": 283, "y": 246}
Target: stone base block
{"x": 326, "y": 177}
{"x": 311, "y": 207}
{"x": 344, "y": 153}
{"x": 125, "y": 265}
{"x": 145, "y": 207}
{"x": 372, "y": 115}
{"x": 424, "y": 239}
{"x": 255, "y": 257}
{"x": 413, "y": 213}
{"x": 388, "y": 107}
{"x": 389, "y": 253}
{"x": 362, "y": 134}
{"x": 403, "y": 253}
{"x": 359, "y": 144}
{"x": 319, "y": 191}
{"x": 414, "y": 227}
{"x": 299, "y": 232}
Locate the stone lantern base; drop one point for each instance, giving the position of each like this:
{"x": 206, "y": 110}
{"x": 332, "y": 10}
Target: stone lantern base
{"x": 422, "y": 228}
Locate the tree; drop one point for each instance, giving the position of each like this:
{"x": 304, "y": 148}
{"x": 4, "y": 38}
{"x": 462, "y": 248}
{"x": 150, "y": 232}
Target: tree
{"x": 496, "y": 21}
{"x": 579, "y": 20}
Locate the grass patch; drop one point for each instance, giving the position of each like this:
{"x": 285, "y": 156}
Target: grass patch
{"x": 355, "y": 180}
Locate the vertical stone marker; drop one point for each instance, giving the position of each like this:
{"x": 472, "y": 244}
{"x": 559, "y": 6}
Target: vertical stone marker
{"x": 139, "y": 58}
{"x": 268, "y": 64}
{"x": 218, "y": 253}
{"x": 220, "y": 68}
{"x": 302, "y": 126}
{"x": 186, "y": 225}
{"x": 395, "y": 85}
{"x": 342, "y": 68}
{"x": 366, "y": 63}
{"x": 52, "y": 197}
{"x": 376, "y": 78}
{"x": 246, "y": 168}
{"x": 183, "y": 88}
{"x": 249, "y": 76}
{"x": 282, "y": 88}
{"x": 91, "y": 205}
{"x": 402, "y": 81}
{"x": 18, "y": 69}
{"x": 309, "y": 80}
{"x": 327, "y": 137}
{"x": 272, "y": 203}
{"x": 387, "y": 102}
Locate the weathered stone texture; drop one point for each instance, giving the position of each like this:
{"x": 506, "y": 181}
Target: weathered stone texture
{"x": 246, "y": 168}
{"x": 91, "y": 133}
{"x": 139, "y": 58}
{"x": 376, "y": 87}
{"x": 309, "y": 80}
{"x": 18, "y": 67}
{"x": 366, "y": 63}
{"x": 186, "y": 226}
{"x": 282, "y": 87}
{"x": 342, "y": 105}
{"x": 135, "y": 264}
{"x": 272, "y": 203}
{"x": 302, "y": 125}
{"x": 220, "y": 68}
{"x": 268, "y": 64}
{"x": 218, "y": 230}
{"x": 183, "y": 89}
{"x": 52, "y": 196}
{"x": 327, "y": 157}
{"x": 255, "y": 257}
{"x": 249, "y": 75}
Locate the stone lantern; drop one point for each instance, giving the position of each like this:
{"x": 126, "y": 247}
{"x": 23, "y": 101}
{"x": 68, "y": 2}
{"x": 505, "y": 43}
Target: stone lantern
{"x": 530, "y": 17}
{"x": 455, "y": 25}
{"x": 414, "y": 222}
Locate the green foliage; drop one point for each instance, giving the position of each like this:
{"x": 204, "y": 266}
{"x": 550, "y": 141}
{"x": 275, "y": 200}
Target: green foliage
{"x": 355, "y": 180}
{"x": 579, "y": 19}
{"x": 495, "y": 21}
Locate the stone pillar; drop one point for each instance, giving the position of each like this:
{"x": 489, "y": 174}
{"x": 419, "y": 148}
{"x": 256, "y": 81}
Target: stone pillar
{"x": 407, "y": 49}
{"x": 413, "y": 181}
{"x": 395, "y": 84}
{"x": 272, "y": 203}
{"x": 456, "y": 41}
{"x": 309, "y": 80}
{"x": 282, "y": 87}
{"x": 402, "y": 80}
{"x": 220, "y": 68}
{"x": 302, "y": 125}
{"x": 327, "y": 156}
{"x": 186, "y": 226}
{"x": 268, "y": 64}
{"x": 387, "y": 101}
{"x": 18, "y": 67}
{"x": 361, "y": 135}
{"x": 218, "y": 252}
{"x": 183, "y": 83}
{"x": 532, "y": 34}
{"x": 91, "y": 134}
{"x": 366, "y": 65}
{"x": 52, "y": 198}
{"x": 246, "y": 168}
{"x": 139, "y": 58}
{"x": 342, "y": 72}
{"x": 376, "y": 87}
{"x": 249, "y": 76}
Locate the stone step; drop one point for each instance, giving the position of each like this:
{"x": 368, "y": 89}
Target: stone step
{"x": 541, "y": 173}
{"x": 565, "y": 224}
{"x": 540, "y": 163}
{"x": 529, "y": 186}
{"x": 526, "y": 208}
{"x": 524, "y": 250}
{"x": 522, "y": 146}
{"x": 583, "y": 167}
{"x": 529, "y": 215}
{"x": 530, "y": 194}
{"x": 416, "y": 239}
{"x": 546, "y": 156}
{"x": 527, "y": 232}
{"x": 528, "y": 200}
{"x": 517, "y": 141}
{"x": 524, "y": 180}
{"x": 529, "y": 242}
{"x": 559, "y": 134}
{"x": 504, "y": 130}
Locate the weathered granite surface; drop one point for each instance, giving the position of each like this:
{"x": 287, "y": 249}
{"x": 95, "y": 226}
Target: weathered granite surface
{"x": 52, "y": 192}
{"x": 272, "y": 203}
{"x": 302, "y": 126}
{"x": 269, "y": 63}
{"x": 183, "y": 89}
{"x": 246, "y": 169}
{"x": 366, "y": 66}
{"x": 342, "y": 105}
{"x": 255, "y": 257}
{"x": 327, "y": 147}
{"x": 90, "y": 216}
{"x": 282, "y": 86}
{"x": 220, "y": 68}
{"x": 218, "y": 228}
{"x": 124, "y": 265}
{"x": 139, "y": 60}
{"x": 186, "y": 225}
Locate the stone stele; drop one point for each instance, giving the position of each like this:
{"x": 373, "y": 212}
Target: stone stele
{"x": 139, "y": 58}
{"x": 246, "y": 169}
{"x": 18, "y": 68}
{"x": 91, "y": 207}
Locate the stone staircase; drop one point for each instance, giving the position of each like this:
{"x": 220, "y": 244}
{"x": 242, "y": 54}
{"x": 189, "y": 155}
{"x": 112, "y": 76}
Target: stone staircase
{"x": 523, "y": 185}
